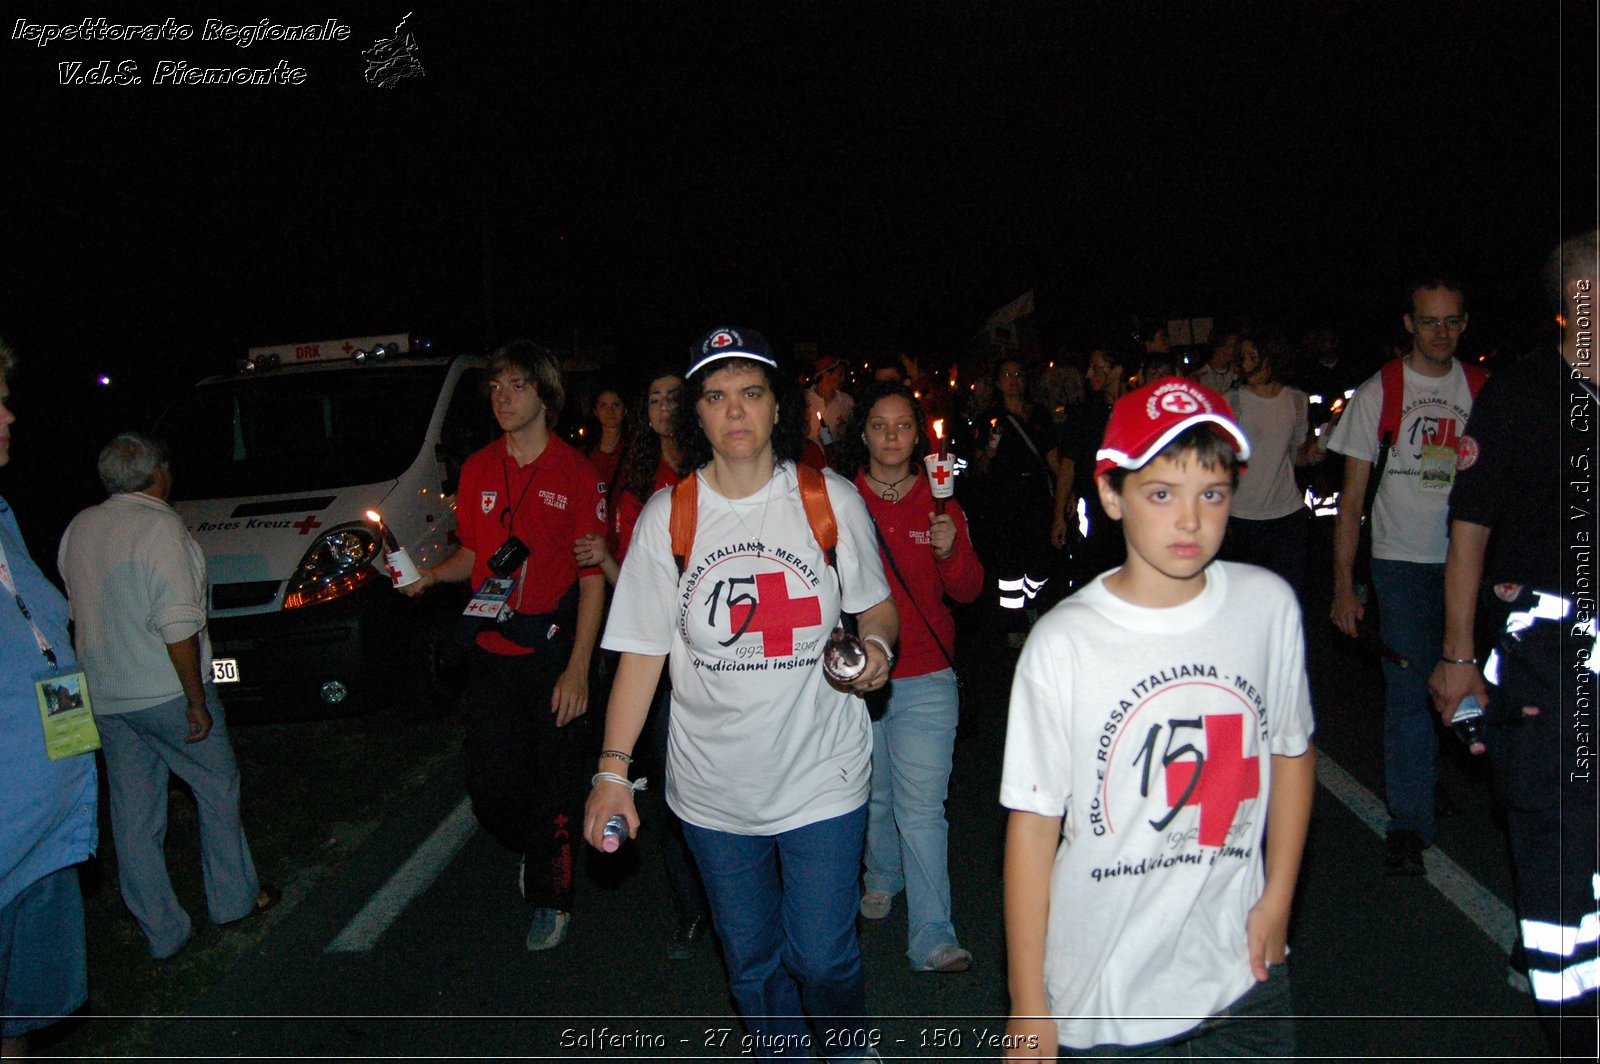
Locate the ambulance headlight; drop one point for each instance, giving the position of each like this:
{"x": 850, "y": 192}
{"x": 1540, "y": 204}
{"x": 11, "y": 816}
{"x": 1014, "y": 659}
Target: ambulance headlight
{"x": 337, "y": 563}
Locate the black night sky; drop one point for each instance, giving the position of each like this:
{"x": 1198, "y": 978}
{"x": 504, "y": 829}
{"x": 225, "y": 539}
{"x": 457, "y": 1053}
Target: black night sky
{"x": 856, "y": 173}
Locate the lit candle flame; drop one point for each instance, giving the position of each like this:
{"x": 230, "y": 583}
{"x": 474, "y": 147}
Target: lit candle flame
{"x": 390, "y": 544}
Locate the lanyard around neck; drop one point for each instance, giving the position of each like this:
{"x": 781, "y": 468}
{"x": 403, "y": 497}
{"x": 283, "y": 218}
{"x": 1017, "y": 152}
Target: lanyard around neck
{"x": 45, "y": 650}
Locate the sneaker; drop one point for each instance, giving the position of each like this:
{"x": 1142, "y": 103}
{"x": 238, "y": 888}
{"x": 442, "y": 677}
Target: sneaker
{"x": 1403, "y": 854}
{"x": 687, "y": 936}
{"x": 548, "y": 930}
{"x": 949, "y": 958}
{"x": 875, "y": 904}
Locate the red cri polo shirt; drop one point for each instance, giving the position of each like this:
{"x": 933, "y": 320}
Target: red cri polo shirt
{"x": 626, "y": 509}
{"x": 547, "y": 503}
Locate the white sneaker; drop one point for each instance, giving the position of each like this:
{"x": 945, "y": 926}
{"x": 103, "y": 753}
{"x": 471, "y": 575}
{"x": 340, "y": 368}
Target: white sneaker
{"x": 875, "y": 904}
{"x": 548, "y": 930}
{"x": 949, "y": 959}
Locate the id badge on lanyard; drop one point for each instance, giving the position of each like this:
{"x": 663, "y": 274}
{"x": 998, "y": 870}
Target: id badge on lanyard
{"x": 1438, "y": 470}
{"x": 66, "y": 713}
{"x": 493, "y": 600}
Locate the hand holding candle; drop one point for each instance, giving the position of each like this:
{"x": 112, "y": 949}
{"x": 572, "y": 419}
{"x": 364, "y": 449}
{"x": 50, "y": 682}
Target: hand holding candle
{"x": 402, "y": 570}
{"x": 941, "y": 469}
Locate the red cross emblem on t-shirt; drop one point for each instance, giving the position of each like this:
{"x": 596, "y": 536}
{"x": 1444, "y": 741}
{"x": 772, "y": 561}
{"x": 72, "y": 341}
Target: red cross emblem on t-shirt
{"x": 1444, "y": 434}
{"x": 775, "y": 615}
{"x": 1220, "y": 782}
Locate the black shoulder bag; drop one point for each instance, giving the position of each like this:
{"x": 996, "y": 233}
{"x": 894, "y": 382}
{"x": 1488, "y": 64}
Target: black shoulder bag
{"x": 878, "y": 701}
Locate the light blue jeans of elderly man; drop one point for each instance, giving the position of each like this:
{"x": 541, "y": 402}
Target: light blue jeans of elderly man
{"x": 141, "y": 749}
{"x": 907, "y": 834}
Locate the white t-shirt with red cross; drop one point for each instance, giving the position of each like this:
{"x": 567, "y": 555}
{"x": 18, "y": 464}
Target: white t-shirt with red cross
{"x": 1150, "y": 732}
{"x": 1410, "y": 519}
{"x": 760, "y": 743}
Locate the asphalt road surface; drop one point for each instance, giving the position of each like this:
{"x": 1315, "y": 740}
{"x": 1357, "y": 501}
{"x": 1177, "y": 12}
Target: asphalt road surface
{"x": 416, "y": 950}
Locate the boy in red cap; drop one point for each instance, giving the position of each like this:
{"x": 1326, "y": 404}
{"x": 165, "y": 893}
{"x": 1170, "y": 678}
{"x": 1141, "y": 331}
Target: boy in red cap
{"x": 1160, "y": 731}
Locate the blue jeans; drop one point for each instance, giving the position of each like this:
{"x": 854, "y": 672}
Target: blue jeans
{"x": 1411, "y": 621}
{"x": 784, "y": 907}
{"x": 907, "y": 836}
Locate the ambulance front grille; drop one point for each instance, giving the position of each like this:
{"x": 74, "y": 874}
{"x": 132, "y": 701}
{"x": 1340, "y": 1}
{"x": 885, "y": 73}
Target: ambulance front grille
{"x": 243, "y": 596}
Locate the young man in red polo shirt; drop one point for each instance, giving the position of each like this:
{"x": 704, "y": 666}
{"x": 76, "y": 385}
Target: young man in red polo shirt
{"x": 522, "y": 501}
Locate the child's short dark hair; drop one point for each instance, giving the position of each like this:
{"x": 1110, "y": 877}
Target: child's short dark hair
{"x": 1211, "y": 449}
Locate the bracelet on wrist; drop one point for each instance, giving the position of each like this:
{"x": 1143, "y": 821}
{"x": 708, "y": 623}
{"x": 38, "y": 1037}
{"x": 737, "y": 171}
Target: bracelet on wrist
{"x": 611, "y": 777}
{"x": 883, "y": 645}
{"x": 1459, "y": 661}
{"x": 626, "y": 759}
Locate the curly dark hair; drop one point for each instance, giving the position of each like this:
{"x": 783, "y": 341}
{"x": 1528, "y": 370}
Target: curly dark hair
{"x": 788, "y": 436}
{"x": 641, "y": 455}
{"x": 851, "y": 456}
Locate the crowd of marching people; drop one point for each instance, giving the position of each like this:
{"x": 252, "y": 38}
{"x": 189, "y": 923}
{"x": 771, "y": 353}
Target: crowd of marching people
{"x": 750, "y": 572}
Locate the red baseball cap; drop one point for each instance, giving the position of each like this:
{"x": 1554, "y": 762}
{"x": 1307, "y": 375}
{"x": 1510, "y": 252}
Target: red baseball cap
{"x": 1148, "y": 418}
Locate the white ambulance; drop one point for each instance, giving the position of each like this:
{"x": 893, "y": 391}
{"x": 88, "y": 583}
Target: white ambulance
{"x": 276, "y": 468}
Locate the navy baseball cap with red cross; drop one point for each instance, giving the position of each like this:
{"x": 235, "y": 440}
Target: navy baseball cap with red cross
{"x": 1147, "y": 419}
{"x": 728, "y": 341}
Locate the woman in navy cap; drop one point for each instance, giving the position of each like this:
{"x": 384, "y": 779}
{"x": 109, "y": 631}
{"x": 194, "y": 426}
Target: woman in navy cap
{"x": 731, "y": 582}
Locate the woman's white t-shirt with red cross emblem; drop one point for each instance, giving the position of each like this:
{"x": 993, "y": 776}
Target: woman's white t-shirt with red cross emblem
{"x": 760, "y": 743}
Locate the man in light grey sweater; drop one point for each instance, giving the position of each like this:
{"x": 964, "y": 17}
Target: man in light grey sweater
{"x": 136, "y": 581}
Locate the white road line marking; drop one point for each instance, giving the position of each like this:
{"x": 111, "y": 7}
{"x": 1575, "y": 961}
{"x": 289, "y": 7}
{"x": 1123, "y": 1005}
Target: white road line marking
{"x": 407, "y": 883}
{"x": 1480, "y": 905}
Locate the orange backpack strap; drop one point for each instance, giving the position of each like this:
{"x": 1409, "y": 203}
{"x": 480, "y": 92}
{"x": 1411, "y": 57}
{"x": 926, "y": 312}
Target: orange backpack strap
{"x": 813, "y": 495}
{"x": 685, "y": 511}
{"x": 819, "y": 511}
{"x": 1393, "y": 384}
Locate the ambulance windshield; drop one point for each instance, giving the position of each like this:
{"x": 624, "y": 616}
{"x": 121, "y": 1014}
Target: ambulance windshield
{"x": 316, "y": 431}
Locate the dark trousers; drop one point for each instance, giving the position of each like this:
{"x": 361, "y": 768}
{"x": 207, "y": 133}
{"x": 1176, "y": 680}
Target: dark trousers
{"x": 1550, "y": 817}
{"x": 1278, "y": 544}
{"x": 1259, "y": 1025}
{"x": 688, "y": 894}
{"x": 524, "y": 774}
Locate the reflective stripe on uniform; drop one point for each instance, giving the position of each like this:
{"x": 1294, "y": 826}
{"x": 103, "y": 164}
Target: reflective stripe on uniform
{"x": 1573, "y": 981}
{"x": 1559, "y": 939}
